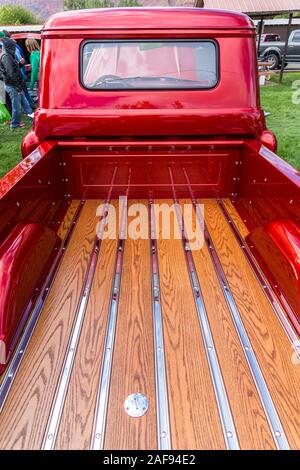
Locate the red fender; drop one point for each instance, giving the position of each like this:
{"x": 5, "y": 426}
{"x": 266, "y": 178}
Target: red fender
{"x": 24, "y": 258}
{"x": 276, "y": 246}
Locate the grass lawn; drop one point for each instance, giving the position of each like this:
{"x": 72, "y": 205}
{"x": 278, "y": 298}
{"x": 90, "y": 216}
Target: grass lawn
{"x": 285, "y": 116}
{"x": 10, "y": 147}
{"x": 277, "y": 99}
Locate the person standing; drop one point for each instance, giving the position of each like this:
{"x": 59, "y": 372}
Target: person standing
{"x": 33, "y": 48}
{"x": 22, "y": 62}
{"x": 6, "y": 98}
{"x": 12, "y": 77}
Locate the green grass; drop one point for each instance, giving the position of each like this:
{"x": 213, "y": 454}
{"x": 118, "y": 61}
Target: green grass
{"x": 277, "y": 99}
{"x": 10, "y": 147}
{"x": 285, "y": 116}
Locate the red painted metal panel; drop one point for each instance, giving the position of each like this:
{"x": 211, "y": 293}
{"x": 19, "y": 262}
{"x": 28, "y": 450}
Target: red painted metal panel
{"x": 129, "y": 18}
{"x": 39, "y": 174}
{"x": 24, "y": 35}
{"x": 265, "y": 174}
{"x": 18, "y": 172}
{"x": 34, "y": 191}
{"x": 204, "y": 123}
{"x": 276, "y": 245}
{"x": 24, "y": 257}
{"x": 268, "y": 200}
{"x": 25, "y": 170}
{"x": 211, "y": 168}
{"x": 268, "y": 187}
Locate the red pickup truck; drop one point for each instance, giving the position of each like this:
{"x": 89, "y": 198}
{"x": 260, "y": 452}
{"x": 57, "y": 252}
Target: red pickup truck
{"x": 114, "y": 333}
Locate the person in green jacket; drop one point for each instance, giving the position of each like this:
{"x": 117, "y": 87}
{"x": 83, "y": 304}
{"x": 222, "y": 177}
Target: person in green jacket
{"x": 33, "y": 48}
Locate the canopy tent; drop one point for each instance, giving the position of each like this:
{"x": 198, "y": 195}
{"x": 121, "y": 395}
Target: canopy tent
{"x": 255, "y": 7}
{"x": 250, "y": 7}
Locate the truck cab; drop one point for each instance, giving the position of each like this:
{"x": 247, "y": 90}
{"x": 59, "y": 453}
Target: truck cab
{"x": 149, "y": 244}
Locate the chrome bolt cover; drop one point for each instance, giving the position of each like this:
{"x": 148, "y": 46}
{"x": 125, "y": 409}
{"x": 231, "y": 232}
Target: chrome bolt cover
{"x": 136, "y": 405}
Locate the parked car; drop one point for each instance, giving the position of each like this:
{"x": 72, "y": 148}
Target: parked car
{"x": 269, "y": 37}
{"x": 273, "y": 51}
{"x": 20, "y": 38}
{"x": 115, "y": 333}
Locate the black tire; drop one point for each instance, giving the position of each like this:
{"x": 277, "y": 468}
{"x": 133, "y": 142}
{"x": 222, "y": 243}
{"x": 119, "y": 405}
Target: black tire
{"x": 274, "y": 59}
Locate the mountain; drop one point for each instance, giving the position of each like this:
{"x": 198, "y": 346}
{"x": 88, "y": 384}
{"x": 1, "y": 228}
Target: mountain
{"x": 44, "y": 8}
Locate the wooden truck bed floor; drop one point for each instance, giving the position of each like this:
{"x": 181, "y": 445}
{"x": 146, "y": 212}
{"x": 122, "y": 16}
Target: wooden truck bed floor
{"x": 246, "y": 368}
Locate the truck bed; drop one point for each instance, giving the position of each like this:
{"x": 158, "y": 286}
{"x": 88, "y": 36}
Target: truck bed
{"x": 61, "y": 381}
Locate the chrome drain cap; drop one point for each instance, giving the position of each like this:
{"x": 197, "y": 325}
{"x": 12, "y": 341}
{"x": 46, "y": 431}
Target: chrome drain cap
{"x": 136, "y": 405}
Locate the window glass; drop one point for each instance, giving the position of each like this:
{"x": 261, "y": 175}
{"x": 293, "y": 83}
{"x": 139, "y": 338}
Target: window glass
{"x": 296, "y": 37}
{"x": 149, "y": 65}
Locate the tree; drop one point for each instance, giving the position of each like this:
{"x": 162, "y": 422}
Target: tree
{"x": 128, "y": 3}
{"x": 16, "y": 14}
{"x": 74, "y": 4}
{"x": 82, "y": 4}
{"x": 99, "y": 4}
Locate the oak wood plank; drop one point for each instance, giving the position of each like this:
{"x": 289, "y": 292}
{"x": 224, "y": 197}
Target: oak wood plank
{"x": 66, "y": 223}
{"x": 194, "y": 417}
{"x": 133, "y": 359}
{"x": 24, "y": 418}
{"x": 240, "y": 225}
{"x": 76, "y": 425}
{"x": 248, "y": 414}
{"x": 269, "y": 341}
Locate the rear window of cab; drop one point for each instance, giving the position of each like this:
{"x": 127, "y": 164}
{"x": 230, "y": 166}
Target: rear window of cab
{"x": 135, "y": 65}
